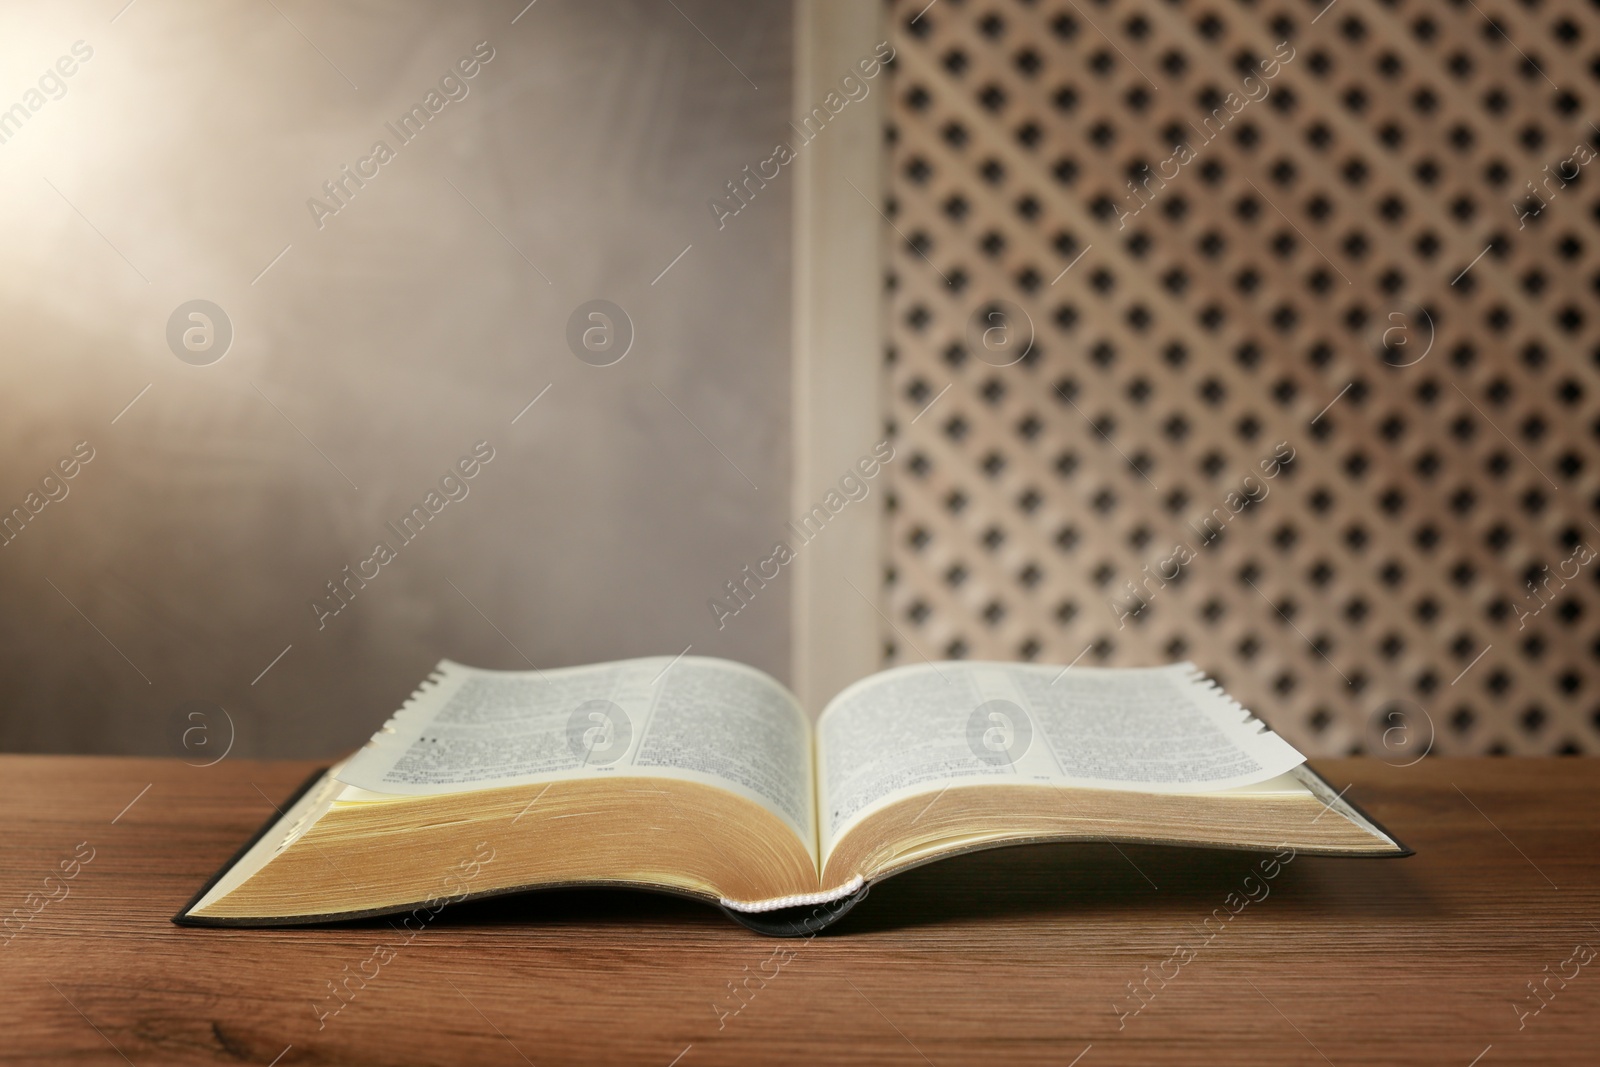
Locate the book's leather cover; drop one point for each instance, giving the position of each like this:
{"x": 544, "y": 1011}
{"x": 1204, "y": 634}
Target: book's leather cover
{"x": 804, "y": 921}
{"x": 1334, "y": 799}
{"x": 183, "y": 918}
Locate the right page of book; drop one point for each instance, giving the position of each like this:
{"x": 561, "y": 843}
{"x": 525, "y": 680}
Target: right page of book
{"x": 920, "y": 729}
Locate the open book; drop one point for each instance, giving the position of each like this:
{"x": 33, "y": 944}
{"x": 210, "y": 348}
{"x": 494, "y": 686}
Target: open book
{"x": 704, "y": 777}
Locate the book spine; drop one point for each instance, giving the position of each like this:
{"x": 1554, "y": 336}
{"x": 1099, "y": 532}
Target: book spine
{"x": 778, "y": 919}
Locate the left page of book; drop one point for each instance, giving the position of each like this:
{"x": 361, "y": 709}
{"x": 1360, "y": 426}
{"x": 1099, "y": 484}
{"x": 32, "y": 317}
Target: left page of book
{"x": 693, "y": 718}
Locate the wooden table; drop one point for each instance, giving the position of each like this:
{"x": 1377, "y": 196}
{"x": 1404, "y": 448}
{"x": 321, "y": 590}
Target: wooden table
{"x": 1023, "y": 955}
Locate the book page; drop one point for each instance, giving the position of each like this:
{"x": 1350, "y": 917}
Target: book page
{"x": 919, "y": 729}
{"x": 693, "y": 718}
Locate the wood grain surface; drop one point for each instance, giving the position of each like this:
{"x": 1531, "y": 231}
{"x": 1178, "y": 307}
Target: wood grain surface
{"x": 1015, "y": 956}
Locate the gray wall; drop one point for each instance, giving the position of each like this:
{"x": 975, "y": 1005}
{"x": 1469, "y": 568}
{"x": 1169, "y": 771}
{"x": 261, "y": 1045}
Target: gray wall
{"x": 178, "y": 163}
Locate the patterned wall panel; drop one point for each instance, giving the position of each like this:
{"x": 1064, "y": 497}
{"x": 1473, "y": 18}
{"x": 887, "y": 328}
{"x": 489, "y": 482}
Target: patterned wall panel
{"x": 1260, "y": 334}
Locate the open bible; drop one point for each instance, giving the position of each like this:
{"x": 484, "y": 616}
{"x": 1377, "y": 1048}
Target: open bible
{"x": 704, "y": 777}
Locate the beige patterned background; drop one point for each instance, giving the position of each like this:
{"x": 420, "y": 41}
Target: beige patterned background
{"x": 1344, "y": 262}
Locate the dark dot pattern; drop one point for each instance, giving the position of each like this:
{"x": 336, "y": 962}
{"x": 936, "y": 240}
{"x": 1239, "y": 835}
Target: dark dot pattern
{"x": 1381, "y": 260}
